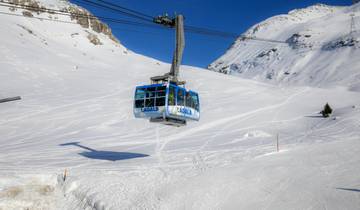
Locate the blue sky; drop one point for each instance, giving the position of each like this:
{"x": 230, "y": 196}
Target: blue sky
{"x": 234, "y": 16}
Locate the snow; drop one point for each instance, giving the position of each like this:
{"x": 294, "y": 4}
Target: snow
{"x": 318, "y": 50}
{"x": 76, "y": 114}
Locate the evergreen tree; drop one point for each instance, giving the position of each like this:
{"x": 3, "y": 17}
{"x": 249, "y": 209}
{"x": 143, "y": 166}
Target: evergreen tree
{"x": 326, "y": 111}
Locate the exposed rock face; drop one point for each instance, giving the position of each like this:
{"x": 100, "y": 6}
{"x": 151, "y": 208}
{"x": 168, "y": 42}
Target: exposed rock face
{"x": 82, "y": 16}
{"x": 100, "y": 27}
{"x": 29, "y": 6}
{"x": 267, "y": 53}
{"x": 94, "y": 39}
{"x": 27, "y": 13}
{"x": 346, "y": 41}
{"x": 298, "y": 40}
{"x": 87, "y": 20}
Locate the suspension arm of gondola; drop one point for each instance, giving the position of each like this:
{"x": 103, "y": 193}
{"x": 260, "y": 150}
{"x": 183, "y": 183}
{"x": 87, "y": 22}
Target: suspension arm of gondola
{"x": 178, "y": 24}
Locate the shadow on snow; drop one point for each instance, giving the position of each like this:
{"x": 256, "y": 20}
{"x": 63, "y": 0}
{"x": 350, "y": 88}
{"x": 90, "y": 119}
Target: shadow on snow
{"x": 105, "y": 155}
{"x": 349, "y": 189}
{"x": 315, "y": 116}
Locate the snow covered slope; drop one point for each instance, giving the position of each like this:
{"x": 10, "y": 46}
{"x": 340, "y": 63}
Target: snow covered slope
{"x": 76, "y": 114}
{"x": 318, "y": 50}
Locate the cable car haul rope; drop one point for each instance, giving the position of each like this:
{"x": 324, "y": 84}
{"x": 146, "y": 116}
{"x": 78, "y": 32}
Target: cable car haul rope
{"x": 143, "y": 20}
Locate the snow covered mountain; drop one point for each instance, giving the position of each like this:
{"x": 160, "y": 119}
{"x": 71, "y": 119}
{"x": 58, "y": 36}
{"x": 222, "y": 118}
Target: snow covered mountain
{"x": 319, "y": 49}
{"x": 77, "y": 83}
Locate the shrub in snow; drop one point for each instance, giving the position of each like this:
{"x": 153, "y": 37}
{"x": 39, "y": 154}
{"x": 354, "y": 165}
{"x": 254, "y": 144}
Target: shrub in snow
{"x": 326, "y": 111}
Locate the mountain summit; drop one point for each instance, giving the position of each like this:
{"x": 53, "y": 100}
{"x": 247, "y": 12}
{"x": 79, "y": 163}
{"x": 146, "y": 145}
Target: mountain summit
{"x": 320, "y": 48}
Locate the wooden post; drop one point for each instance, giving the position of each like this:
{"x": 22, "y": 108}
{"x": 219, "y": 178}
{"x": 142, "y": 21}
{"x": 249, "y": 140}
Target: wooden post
{"x": 277, "y": 143}
{"x": 10, "y": 99}
{"x": 65, "y": 175}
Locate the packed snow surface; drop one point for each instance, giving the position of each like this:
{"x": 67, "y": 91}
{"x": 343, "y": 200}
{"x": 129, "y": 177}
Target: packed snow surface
{"x": 76, "y": 118}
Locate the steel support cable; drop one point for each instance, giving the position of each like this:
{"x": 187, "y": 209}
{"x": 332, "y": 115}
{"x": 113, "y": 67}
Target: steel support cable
{"x": 114, "y": 21}
{"x": 211, "y": 31}
{"x": 68, "y": 22}
{"x": 210, "y": 34}
{"x": 229, "y": 35}
{"x": 130, "y": 10}
{"x": 191, "y": 29}
{"x": 64, "y": 13}
{"x": 22, "y": 6}
{"x": 242, "y": 37}
{"x": 114, "y": 9}
{"x": 63, "y": 21}
{"x": 70, "y": 14}
{"x": 39, "y": 18}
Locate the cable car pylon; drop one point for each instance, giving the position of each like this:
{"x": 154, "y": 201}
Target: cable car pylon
{"x": 166, "y": 100}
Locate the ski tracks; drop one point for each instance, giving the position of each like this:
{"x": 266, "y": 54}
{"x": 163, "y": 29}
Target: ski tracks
{"x": 62, "y": 107}
{"x": 222, "y": 121}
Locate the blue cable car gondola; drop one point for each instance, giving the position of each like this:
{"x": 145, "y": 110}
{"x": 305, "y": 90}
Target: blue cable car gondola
{"x": 166, "y": 100}
{"x": 169, "y": 104}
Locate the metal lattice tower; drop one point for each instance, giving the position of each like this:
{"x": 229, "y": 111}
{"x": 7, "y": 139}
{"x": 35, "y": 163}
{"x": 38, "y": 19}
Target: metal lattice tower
{"x": 352, "y": 24}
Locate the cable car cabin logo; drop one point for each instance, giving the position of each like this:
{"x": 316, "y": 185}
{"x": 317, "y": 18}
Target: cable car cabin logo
{"x": 184, "y": 110}
{"x": 150, "y": 109}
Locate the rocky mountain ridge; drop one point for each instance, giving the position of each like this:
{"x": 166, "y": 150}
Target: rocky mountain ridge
{"x": 55, "y": 8}
{"x": 318, "y": 49}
